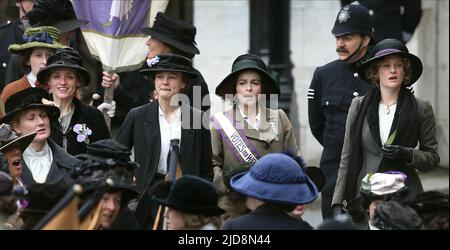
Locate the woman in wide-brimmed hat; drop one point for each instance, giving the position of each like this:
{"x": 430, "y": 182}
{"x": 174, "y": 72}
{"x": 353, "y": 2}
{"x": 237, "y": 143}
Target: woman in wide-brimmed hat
{"x": 249, "y": 129}
{"x": 40, "y": 42}
{"x": 384, "y": 127}
{"x": 80, "y": 123}
{"x": 191, "y": 205}
{"x": 12, "y": 147}
{"x": 43, "y": 161}
{"x": 150, "y": 128}
{"x": 274, "y": 186}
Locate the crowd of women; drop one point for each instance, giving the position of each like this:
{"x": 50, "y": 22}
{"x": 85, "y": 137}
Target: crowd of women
{"x": 237, "y": 169}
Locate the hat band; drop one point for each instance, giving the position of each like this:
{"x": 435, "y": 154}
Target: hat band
{"x": 40, "y": 37}
{"x": 387, "y": 52}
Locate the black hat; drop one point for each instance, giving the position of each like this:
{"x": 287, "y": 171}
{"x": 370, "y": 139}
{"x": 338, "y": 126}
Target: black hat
{"x": 42, "y": 197}
{"x": 191, "y": 194}
{"x": 57, "y": 13}
{"x": 353, "y": 18}
{"x": 9, "y": 138}
{"x": 109, "y": 158}
{"x": 169, "y": 62}
{"x": 392, "y": 215}
{"x": 430, "y": 201}
{"x": 391, "y": 46}
{"x": 65, "y": 58}
{"x": 243, "y": 62}
{"x": 175, "y": 32}
{"x": 29, "y": 98}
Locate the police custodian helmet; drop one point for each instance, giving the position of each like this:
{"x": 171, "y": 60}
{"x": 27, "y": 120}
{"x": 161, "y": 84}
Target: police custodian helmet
{"x": 353, "y": 18}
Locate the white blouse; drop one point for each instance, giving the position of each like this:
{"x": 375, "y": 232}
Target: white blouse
{"x": 31, "y": 79}
{"x": 168, "y": 132}
{"x": 385, "y": 117}
{"x": 39, "y": 163}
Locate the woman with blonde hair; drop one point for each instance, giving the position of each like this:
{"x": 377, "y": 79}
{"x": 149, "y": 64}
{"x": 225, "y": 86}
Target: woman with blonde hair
{"x": 384, "y": 127}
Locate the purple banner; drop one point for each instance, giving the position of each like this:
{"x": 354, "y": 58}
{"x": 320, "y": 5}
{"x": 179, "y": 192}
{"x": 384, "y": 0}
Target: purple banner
{"x": 113, "y": 17}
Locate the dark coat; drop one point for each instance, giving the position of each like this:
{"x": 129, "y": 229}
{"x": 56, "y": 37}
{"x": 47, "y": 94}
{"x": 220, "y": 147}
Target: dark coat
{"x": 424, "y": 159}
{"x": 61, "y": 167}
{"x": 265, "y": 217}
{"x": 135, "y": 91}
{"x": 389, "y": 20}
{"x": 10, "y": 33}
{"x": 141, "y": 130}
{"x": 332, "y": 89}
{"x": 94, "y": 120}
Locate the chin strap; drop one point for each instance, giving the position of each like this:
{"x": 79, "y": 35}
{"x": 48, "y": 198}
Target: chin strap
{"x": 346, "y": 61}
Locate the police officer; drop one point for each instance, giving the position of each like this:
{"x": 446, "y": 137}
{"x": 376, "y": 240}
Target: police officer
{"x": 332, "y": 88}
{"x": 393, "y": 18}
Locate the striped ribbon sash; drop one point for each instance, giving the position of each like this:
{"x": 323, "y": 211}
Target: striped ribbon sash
{"x": 237, "y": 142}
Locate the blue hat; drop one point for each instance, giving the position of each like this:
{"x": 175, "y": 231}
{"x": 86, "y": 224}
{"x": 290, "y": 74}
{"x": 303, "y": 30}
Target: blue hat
{"x": 276, "y": 178}
{"x": 353, "y": 18}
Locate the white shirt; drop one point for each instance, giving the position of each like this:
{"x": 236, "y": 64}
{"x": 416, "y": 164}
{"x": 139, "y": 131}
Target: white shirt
{"x": 39, "y": 163}
{"x": 385, "y": 121}
{"x": 31, "y": 79}
{"x": 257, "y": 118}
{"x": 168, "y": 132}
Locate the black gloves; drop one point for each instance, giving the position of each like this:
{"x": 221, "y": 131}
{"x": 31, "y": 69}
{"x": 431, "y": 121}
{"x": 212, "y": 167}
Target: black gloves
{"x": 397, "y": 152}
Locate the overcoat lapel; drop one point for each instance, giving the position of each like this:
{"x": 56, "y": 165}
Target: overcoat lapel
{"x": 151, "y": 130}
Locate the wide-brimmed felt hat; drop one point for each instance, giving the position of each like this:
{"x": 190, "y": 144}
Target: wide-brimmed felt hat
{"x": 247, "y": 62}
{"x": 276, "y": 178}
{"x": 43, "y": 36}
{"x": 9, "y": 138}
{"x": 430, "y": 202}
{"x": 113, "y": 161}
{"x": 193, "y": 195}
{"x": 64, "y": 58}
{"x": 387, "y": 47}
{"x": 170, "y": 63}
{"x": 26, "y": 99}
{"x": 353, "y": 18}
{"x": 393, "y": 215}
{"x": 58, "y": 13}
{"x": 175, "y": 32}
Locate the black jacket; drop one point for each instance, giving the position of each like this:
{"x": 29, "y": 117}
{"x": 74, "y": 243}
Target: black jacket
{"x": 10, "y": 33}
{"x": 88, "y": 115}
{"x": 61, "y": 167}
{"x": 141, "y": 130}
{"x": 265, "y": 217}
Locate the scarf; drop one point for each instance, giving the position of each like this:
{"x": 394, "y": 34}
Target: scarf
{"x": 406, "y": 126}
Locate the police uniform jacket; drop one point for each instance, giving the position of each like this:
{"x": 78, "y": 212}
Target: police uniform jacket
{"x": 332, "y": 89}
{"x": 141, "y": 130}
{"x": 274, "y": 135}
{"x": 424, "y": 159}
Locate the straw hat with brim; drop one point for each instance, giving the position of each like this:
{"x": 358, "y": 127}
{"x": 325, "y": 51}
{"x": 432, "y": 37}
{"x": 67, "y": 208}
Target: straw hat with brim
{"x": 247, "y": 62}
{"x": 175, "y": 32}
{"x": 43, "y": 37}
{"x": 64, "y": 58}
{"x": 191, "y": 194}
{"x": 276, "y": 178}
{"x": 26, "y": 99}
{"x": 169, "y": 63}
{"x": 9, "y": 139}
{"x": 389, "y": 47}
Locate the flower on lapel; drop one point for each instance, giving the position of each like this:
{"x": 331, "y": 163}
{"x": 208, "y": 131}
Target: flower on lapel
{"x": 153, "y": 61}
{"x": 83, "y": 132}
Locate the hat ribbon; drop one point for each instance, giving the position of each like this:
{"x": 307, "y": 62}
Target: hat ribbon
{"x": 40, "y": 37}
{"x": 387, "y": 51}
